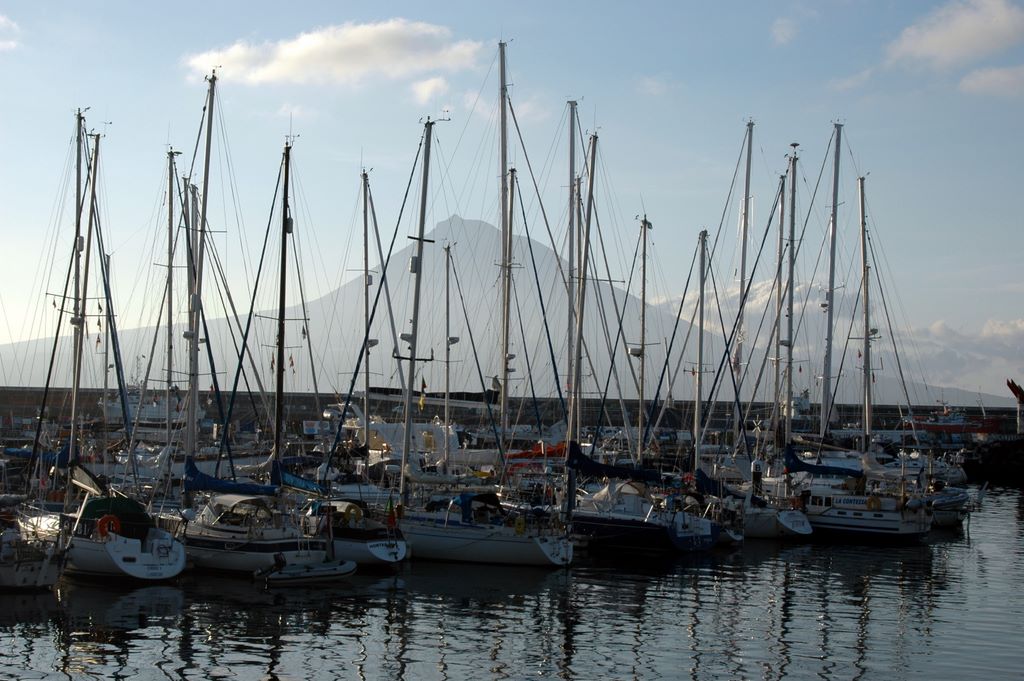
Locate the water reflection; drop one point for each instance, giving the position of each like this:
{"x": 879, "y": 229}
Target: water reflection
{"x": 767, "y": 611}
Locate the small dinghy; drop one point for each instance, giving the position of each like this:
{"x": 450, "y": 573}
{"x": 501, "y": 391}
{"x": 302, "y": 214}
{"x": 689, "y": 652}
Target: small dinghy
{"x": 301, "y": 574}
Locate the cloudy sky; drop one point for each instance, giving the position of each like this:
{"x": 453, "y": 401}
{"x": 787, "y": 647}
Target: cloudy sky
{"x": 930, "y": 95}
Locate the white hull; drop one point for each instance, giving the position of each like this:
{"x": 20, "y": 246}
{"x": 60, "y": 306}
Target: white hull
{"x": 159, "y": 557}
{"x": 242, "y": 550}
{"x": 447, "y": 539}
{"x": 310, "y": 573}
{"x": 27, "y": 565}
{"x": 774, "y": 523}
{"x": 855, "y": 515}
{"x": 380, "y": 553}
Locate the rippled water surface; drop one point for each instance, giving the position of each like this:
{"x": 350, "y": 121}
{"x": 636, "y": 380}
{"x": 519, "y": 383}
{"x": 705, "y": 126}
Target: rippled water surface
{"x": 951, "y": 608}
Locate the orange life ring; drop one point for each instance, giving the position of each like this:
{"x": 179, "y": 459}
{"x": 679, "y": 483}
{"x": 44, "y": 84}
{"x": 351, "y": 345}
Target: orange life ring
{"x": 107, "y": 524}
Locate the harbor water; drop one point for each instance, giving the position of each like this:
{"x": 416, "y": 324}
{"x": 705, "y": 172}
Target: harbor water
{"x": 950, "y": 608}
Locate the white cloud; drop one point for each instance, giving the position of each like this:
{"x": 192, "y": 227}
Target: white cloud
{"x": 346, "y": 54}
{"x": 533, "y": 108}
{"x": 296, "y": 111}
{"x": 7, "y": 24}
{"x": 783, "y": 31}
{"x": 960, "y": 32}
{"x": 8, "y": 45}
{"x": 652, "y": 86}
{"x": 851, "y": 82}
{"x": 969, "y": 358}
{"x": 425, "y": 90}
{"x": 996, "y": 81}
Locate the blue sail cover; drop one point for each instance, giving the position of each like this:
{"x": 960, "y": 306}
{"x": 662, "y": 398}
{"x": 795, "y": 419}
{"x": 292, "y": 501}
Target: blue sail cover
{"x": 49, "y": 458}
{"x": 579, "y": 461}
{"x": 280, "y": 476}
{"x": 795, "y": 464}
{"x": 708, "y": 485}
{"x": 197, "y": 481}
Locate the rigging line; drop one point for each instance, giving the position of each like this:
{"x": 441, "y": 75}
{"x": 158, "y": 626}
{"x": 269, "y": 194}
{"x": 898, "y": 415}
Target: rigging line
{"x": 526, "y": 357}
{"x": 533, "y": 179}
{"x": 332, "y": 319}
{"x": 49, "y": 373}
{"x": 299, "y": 275}
{"x": 909, "y": 336}
{"x": 547, "y": 160}
{"x": 842, "y": 363}
{"x": 144, "y": 386}
{"x": 612, "y": 347}
{"x": 477, "y": 164}
{"x": 306, "y": 325}
{"x": 385, "y": 284}
{"x": 803, "y": 232}
{"x": 480, "y": 373}
{"x": 233, "y": 321}
{"x": 218, "y": 395}
{"x": 621, "y": 315}
{"x": 46, "y": 267}
{"x": 111, "y": 319}
{"x": 779, "y": 197}
{"x": 476, "y": 101}
{"x": 543, "y": 310}
{"x": 199, "y": 134}
{"x": 672, "y": 340}
{"x": 888, "y": 321}
{"x": 728, "y": 200}
{"x": 765, "y": 358}
{"x": 620, "y": 335}
{"x": 329, "y": 453}
{"x": 243, "y": 350}
{"x": 220, "y": 280}
{"x": 726, "y": 355}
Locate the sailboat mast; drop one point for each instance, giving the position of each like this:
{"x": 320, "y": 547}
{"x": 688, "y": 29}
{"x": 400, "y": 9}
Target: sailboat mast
{"x": 170, "y": 290}
{"x": 196, "y": 292}
{"x": 506, "y": 318}
{"x": 79, "y": 321}
{"x": 415, "y": 267}
{"x": 644, "y": 227}
{"x": 790, "y": 295}
{"x": 779, "y": 292}
{"x": 366, "y": 311}
{"x": 448, "y": 342}
{"x": 286, "y": 229}
{"x": 506, "y": 247}
{"x": 570, "y": 280}
{"x": 865, "y": 290}
{"x": 577, "y": 339}
{"x": 826, "y": 376}
{"x": 698, "y": 434}
{"x": 744, "y": 230}
{"x": 76, "y": 318}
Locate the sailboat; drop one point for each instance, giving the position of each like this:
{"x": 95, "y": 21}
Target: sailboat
{"x": 468, "y": 525}
{"x": 869, "y": 502}
{"x": 246, "y": 528}
{"x": 623, "y": 517}
{"x": 111, "y": 534}
{"x": 26, "y": 563}
{"x": 769, "y": 507}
